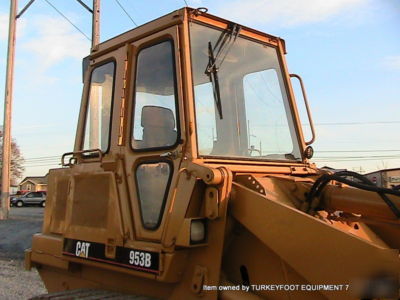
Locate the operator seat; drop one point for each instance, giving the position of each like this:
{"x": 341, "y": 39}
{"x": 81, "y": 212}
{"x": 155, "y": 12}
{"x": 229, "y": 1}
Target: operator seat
{"x": 158, "y": 127}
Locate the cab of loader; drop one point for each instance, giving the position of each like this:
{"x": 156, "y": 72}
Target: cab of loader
{"x": 188, "y": 143}
{"x": 241, "y": 108}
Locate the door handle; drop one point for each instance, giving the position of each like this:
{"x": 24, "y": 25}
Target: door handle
{"x": 170, "y": 154}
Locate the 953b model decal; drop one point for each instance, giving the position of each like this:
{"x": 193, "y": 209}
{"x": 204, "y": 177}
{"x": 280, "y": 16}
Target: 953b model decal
{"x": 140, "y": 260}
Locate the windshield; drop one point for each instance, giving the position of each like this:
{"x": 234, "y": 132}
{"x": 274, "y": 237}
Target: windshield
{"x": 241, "y": 103}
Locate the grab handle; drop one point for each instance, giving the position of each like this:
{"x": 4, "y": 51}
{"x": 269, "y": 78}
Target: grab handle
{"x": 307, "y": 108}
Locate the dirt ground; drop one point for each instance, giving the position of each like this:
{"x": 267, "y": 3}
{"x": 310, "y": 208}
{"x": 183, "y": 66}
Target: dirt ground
{"x": 15, "y": 236}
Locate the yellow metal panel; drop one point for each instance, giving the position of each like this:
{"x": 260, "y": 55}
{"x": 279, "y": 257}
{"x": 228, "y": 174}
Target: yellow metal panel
{"x": 316, "y": 250}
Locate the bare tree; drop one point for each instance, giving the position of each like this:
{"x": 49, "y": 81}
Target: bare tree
{"x": 17, "y": 160}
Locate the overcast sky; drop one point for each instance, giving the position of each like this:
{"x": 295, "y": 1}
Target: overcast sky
{"x": 347, "y": 51}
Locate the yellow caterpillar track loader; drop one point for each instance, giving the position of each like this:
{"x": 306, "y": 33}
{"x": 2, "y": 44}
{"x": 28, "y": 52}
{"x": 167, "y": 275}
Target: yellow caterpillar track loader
{"x": 191, "y": 179}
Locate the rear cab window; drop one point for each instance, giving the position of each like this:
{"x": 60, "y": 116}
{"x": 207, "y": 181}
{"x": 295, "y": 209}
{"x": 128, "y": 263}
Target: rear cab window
{"x": 99, "y": 107}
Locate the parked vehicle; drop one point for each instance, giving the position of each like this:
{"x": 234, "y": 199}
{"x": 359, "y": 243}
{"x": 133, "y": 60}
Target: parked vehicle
{"x": 12, "y": 198}
{"x": 31, "y": 198}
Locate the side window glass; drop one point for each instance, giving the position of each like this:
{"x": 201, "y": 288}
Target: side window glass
{"x": 268, "y": 134}
{"x": 152, "y": 185}
{"x": 154, "y": 124}
{"x": 205, "y": 118}
{"x": 30, "y": 195}
{"x": 98, "y": 114}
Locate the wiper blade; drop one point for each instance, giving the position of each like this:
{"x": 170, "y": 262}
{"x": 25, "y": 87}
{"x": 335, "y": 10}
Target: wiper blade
{"x": 225, "y": 41}
{"x": 213, "y": 74}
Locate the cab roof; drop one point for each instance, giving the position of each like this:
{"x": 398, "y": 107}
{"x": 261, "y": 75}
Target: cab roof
{"x": 174, "y": 18}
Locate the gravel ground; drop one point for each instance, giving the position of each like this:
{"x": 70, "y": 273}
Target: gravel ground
{"x": 15, "y": 236}
{"x": 16, "y": 283}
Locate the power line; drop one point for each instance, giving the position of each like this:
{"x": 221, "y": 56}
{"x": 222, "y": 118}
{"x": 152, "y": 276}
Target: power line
{"x": 337, "y": 123}
{"x": 357, "y": 157}
{"x": 258, "y": 96}
{"x": 47, "y": 161}
{"x": 129, "y": 16}
{"x": 39, "y": 157}
{"x": 352, "y": 160}
{"x": 351, "y": 151}
{"x": 66, "y": 18}
{"x": 45, "y": 165}
{"x": 42, "y": 160}
{"x": 186, "y": 3}
{"x": 356, "y": 123}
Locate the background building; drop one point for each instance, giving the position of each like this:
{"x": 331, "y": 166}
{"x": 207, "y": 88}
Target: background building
{"x": 34, "y": 183}
{"x": 387, "y": 178}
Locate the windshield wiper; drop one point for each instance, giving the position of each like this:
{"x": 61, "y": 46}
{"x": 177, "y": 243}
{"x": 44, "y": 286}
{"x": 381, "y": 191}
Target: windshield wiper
{"x": 225, "y": 41}
{"x": 212, "y": 73}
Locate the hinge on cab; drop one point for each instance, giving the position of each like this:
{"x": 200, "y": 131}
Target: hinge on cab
{"x": 199, "y": 279}
{"x": 123, "y": 96}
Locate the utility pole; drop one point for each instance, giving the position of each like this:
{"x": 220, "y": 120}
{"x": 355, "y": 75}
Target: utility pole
{"x": 8, "y": 93}
{"x": 95, "y": 24}
{"x": 6, "y": 147}
{"x": 95, "y": 11}
{"x": 8, "y": 97}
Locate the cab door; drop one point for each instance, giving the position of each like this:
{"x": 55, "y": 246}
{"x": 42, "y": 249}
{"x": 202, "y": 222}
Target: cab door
{"x": 153, "y": 151}
{"x": 91, "y": 202}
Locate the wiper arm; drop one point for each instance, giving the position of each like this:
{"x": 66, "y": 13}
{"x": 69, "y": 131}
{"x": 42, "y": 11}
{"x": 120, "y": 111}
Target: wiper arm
{"x": 226, "y": 40}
